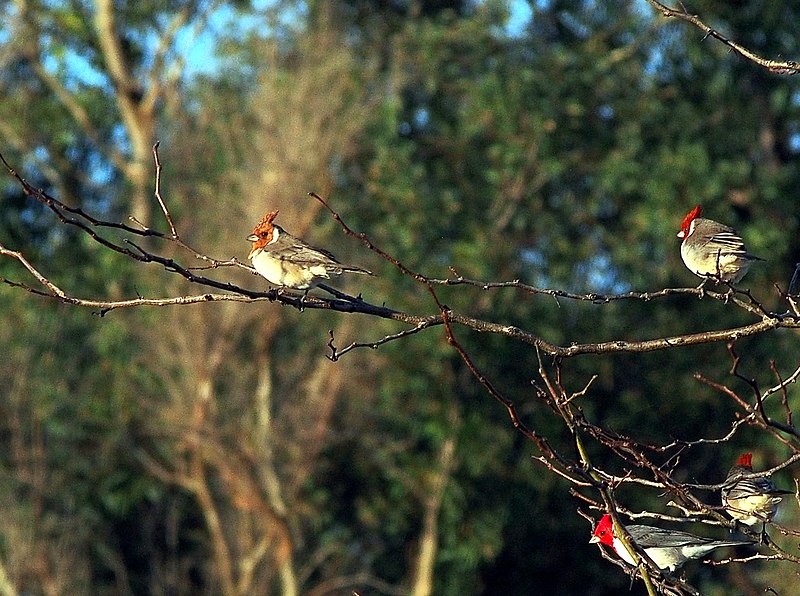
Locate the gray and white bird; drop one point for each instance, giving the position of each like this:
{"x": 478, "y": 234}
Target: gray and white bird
{"x": 712, "y": 250}
{"x": 751, "y": 501}
{"x": 668, "y": 549}
{"x": 287, "y": 261}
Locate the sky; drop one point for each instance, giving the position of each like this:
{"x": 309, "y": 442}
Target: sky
{"x": 198, "y": 47}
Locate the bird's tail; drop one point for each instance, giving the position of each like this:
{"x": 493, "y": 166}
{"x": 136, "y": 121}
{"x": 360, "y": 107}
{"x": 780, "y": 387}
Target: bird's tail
{"x": 354, "y": 269}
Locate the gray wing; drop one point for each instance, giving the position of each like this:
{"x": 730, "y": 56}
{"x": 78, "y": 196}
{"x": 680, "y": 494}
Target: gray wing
{"x": 751, "y": 486}
{"x": 650, "y": 536}
{"x": 293, "y": 249}
{"x": 721, "y": 237}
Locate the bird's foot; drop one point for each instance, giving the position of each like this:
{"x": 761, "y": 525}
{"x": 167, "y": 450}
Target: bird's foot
{"x": 764, "y": 538}
{"x": 701, "y": 288}
{"x": 301, "y": 304}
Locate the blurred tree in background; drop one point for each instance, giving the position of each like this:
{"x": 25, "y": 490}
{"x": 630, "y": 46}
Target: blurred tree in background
{"x": 214, "y": 448}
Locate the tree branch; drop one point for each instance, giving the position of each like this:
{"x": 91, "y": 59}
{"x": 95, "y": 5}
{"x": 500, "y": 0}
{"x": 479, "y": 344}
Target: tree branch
{"x": 787, "y": 67}
{"x": 75, "y": 216}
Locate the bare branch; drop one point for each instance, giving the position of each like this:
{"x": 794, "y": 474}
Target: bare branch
{"x": 373, "y": 345}
{"x": 784, "y": 394}
{"x": 367, "y": 242}
{"x": 157, "y": 192}
{"x": 483, "y": 380}
{"x": 786, "y": 428}
{"x": 77, "y": 217}
{"x": 596, "y": 298}
{"x": 787, "y": 67}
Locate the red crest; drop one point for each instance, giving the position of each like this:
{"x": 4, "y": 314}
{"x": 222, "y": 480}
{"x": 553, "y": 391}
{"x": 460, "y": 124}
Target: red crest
{"x": 690, "y": 217}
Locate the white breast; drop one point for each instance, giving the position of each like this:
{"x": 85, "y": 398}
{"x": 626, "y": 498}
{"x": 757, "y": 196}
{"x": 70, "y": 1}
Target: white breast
{"x": 285, "y": 273}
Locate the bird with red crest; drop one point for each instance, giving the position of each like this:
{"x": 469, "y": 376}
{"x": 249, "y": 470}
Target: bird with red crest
{"x": 712, "y": 250}
{"x": 668, "y": 549}
{"x": 753, "y": 500}
{"x": 288, "y": 261}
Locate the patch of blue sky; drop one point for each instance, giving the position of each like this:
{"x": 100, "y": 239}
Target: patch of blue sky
{"x": 199, "y": 47}
{"x": 596, "y": 274}
{"x": 197, "y": 42}
{"x": 602, "y": 276}
{"x": 81, "y": 71}
{"x": 520, "y": 15}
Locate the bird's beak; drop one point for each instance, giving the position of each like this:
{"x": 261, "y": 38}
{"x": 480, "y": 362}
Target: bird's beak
{"x": 256, "y": 249}
{"x": 680, "y": 234}
{"x": 594, "y": 539}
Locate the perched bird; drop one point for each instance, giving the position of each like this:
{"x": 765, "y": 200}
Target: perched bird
{"x": 712, "y": 250}
{"x": 287, "y": 261}
{"x": 750, "y": 500}
{"x": 669, "y": 549}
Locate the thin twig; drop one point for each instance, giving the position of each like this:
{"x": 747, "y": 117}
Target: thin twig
{"x": 157, "y": 192}
{"x": 373, "y": 345}
{"x": 367, "y": 242}
{"x": 788, "y": 429}
{"x": 787, "y": 67}
{"x": 784, "y": 393}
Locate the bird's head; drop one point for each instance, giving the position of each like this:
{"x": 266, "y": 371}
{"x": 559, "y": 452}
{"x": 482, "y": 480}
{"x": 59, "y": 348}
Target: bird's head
{"x": 687, "y": 221}
{"x": 604, "y": 531}
{"x": 263, "y": 234}
{"x": 745, "y": 460}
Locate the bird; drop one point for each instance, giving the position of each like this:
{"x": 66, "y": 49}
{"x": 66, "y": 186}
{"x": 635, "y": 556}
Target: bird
{"x": 712, "y": 250}
{"x": 668, "y": 549}
{"x": 289, "y": 262}
{"x": 751, "y": 501}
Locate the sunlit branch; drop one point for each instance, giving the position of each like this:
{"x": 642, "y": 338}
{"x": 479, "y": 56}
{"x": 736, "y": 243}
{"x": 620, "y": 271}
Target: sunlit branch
{"x": 367, "y": 242}
{"x": 598, "y": 298}
{"x": 555, "y": 470}
{"x": 788, "y": 67}
{"x": 157, "y": 193}
{"x": 752, "y": 306}
{"x": 90, "y": 225}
